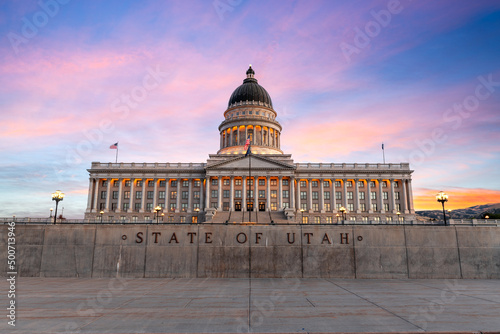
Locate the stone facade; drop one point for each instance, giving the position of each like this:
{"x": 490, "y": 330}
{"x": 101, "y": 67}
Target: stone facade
{"x": 264, "y": 186}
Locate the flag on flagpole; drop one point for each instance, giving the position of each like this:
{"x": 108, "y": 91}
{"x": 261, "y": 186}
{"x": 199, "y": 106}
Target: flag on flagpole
{"x": 382, "y": 145}
{"x": 114, "y": 146}
{"x": 247, "y": 143}
{"x": 249, "y": 150}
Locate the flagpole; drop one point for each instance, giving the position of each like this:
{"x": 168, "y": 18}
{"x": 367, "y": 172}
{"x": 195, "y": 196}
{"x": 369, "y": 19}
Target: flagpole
{"x": 250, "y": 178}
{"x": 383, "y": 152}
{"x": 116, "y": 159}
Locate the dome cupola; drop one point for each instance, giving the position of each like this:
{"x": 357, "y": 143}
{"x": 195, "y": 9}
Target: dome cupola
{"x": 250, "y": 92}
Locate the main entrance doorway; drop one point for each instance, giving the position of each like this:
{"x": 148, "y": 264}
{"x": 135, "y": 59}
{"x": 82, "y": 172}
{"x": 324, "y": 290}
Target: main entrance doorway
{"x": 250, "y": 206}
{"x": 237, "y": 206}
{"x": 262, "y": 206}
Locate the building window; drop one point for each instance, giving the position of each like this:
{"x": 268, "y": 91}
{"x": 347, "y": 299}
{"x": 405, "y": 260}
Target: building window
{"x": 151, "y": 183}
{"x": 173, "y": 195}
{"x": 127, "y": 183}
{"x": 385, "y": 195}
{"x": 377, "y": 219}
{"x": 384, "y": 184}
{"x": 237, "y": 193}
{"x": 250, "y": 193}
{"x": 104, "y": 183}
{"x": 173, "y": 183}
{"x": 185, "y": 195}
{"x": 196, "y": 194}
{"x": 161, "y": 194}
{"x": 314, "y": 183}
{"x": 162, "y": 183}
{"x": 386, "y": 206}
{"x": 215, "y": 193}
{"x": 329, "y": 219}
{"x": 214, "y": 205}
{"x": 162, "y": 205}
{"x": 304, "y": 219}
{"x": 373, "y": 195}
{"x": 150, "y": 194}
{"x": 338, "y": 195}
{"x": 365, "y": 219}
{"x": 372, "y": 184}
{"x": 361, "y": 184}
{"x": 401, "y": 219}
{"x": 274, "y": 193}
{"x": 303, "y": 195}
{"x": 113, "y": 206}
{"x": 115, "y": 183}
{"x": 374, "y": 206}
{"x": 362, "y": 207}
{"x": 350, "y": 207}
{"x": 352, "y": 218}
{"x": 286, "y": 205}
{"x": 349, "y": 195}
{"x": 185, "y": 183}
{"x": 237, "y": 182}
{"x": 362, "y": 195}
{"x": 225, "y": 193}
{"x": 303, "y": 206}
{"x": 196, "y": 206}
{"x": 315, "y": 195}
{"x": 103, "y": 194}
{"x": 197, "y": 183}
{"x": 338, "y": 206}
{"x": 126, "y": 206}
{"x": 173, "y": 206}
{"x": 326, "y": 184}
{"x": 225, "y": 206}
{"x": 225, "y": 182}
{"x": 138, "y": 194}
{"x": 338, "y": 184}
{"x": 126, "y": 194}
{"x": 183, "y": 219}
{"x": 262, "y": 194}
{"x": 184, "y": 207}
{"x": 115, "y": 194}
{"x": 303, "y": 184}
{"x": 149, "y": 206}
{"x": 194, "y": 220}
{"x": 170, "y": 219}
{"x": 317, "y": 220}
{"x": 396, "y": 195}
{"x": 398, "y": 207}
{"x": 274, "y": 206}
{"x": 388, "y": 219}
{"x": 215, "y": 182}
{"x": 285, "y": 193}
{"x": 262, "y": 182}
{"x": 285, "y": 182}
{"x": 274, "y": 182}
{"x": 249, "y": 182}
{"x": 326, "y": 195}
{"x": 348, "y": 184}
{"x": 396, "y": 184}
{"x": 137, "y": 206}
{"x": 327, "y": 207}
{"x": 315, "y": 207}
{"x": 139, "y": 183}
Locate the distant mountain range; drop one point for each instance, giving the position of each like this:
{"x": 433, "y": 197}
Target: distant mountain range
{"x": 473, "y": 212}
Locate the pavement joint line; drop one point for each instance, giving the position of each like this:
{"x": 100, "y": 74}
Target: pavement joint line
{"x": 310, "y": 302}
{"x": 124, "y": 303}
{"x": 383, "y": 308}
{"x": 462, "y": 294}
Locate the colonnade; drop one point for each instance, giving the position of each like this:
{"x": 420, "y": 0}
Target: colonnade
{"x": 260, "y": 135}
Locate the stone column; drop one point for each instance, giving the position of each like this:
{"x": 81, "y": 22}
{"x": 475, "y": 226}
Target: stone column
{"x": 155, "y": 193}
{"x": 132, "y": 195}
{"x": 120, "y": 196}
{"x": 89, "y": 195}
{"x": 178, "y": 202}
{"x": 334, "y": 199}
{"x": 381, "y": 200}
{"x": 268, "y": 193}
{"x": 190, "y": 195}
{"x": 299, "y": 201}
{"x": 280, "y": 193}
{"x": 143, "y": 198}
{"x": 309, "y": 195}
{"x": 369, "y": 198}
{"x": 392, "y": 199}
{"x": 108, "y": 196}
{"x": 167, "y": 195}
{"x": 207, "y": 193}
{"x": 231, "y": 194}
{"x": 356, "y": 196}
{"x": 219, "y": 194}
{"x": 291, "y": 186}
{"x": 404, "y": 200}
{"x": 244, "y": 194}
{"x": 410, "y": 197}
{"x": 321, "y": 196}
{"x": 344, "y": 195}
{"x": 202, "y": 193}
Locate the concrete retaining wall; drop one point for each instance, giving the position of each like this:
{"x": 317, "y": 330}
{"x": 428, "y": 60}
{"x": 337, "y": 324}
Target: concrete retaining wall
{"x": 255, "y": 251}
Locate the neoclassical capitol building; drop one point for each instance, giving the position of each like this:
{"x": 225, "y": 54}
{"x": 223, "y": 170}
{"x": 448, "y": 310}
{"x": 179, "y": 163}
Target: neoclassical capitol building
{"x": 265, "y": 186}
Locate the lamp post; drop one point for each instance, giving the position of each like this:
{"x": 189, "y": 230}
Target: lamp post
{"x": 57, "y": 196}
{"x": 197, "y": 210}
{"x": 486, "y": 217}
{"x": 51, "y": 209}
{"x": 441, "y": 197}
{"x": 101, "y": 213}
{"x": 157, "y": 210}
{"x": 343, "y": 212}
{"x": 338, "y": 217}
{"x": 162, "y": 216}
{"x": 302, "y": 218}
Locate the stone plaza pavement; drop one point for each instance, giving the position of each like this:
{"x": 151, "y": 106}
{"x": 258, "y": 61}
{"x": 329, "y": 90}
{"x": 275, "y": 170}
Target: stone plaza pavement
{"x": 72, "y": 305}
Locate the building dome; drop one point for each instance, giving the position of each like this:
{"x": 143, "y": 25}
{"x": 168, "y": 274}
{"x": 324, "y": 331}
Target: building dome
{"x": 250, "y": 91}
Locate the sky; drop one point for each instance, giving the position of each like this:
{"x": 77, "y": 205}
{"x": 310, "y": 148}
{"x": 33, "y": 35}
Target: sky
{"x": 422, "y": 77}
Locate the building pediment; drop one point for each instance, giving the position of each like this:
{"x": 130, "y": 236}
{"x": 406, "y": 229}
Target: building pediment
{"x": 257, "y": 162}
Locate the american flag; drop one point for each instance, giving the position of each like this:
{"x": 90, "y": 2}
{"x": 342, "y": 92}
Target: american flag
{"x": 114, "y": 146}
{"x": 247, "y": 143}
